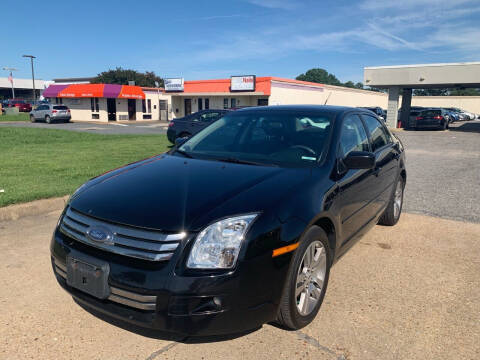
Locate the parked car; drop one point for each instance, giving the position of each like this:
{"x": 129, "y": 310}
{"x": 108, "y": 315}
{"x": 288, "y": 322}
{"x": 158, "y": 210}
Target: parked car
{"x": 22, "y": 105}
{"x": 50, "y": 113}
{"x": 454, "y": 116}
{"x": 237, "y": 226}
{"x": 429, "y": 118}
{"x": 378, "y": 111}
{"x": 193, "y": 123}
{"x": 463, "y": 115}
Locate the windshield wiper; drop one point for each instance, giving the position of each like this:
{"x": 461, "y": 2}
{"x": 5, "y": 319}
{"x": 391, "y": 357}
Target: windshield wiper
{"x": 184, "y": 153}
{"x": 247, "y": 162}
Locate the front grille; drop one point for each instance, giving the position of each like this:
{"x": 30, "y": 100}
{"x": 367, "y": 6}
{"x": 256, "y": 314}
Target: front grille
{"x": 127, "y": 241}
{"x": 124, "y": 297}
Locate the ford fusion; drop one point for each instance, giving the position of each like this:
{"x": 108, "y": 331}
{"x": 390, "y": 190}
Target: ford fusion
{"x": 235, "y": 227}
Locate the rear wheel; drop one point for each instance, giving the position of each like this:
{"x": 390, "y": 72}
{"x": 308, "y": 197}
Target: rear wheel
{"x": 48, "y": 120}
{"x": 394, "y": 209}
{"x": 184, "y": 134}
{"x": 306, "y": 282}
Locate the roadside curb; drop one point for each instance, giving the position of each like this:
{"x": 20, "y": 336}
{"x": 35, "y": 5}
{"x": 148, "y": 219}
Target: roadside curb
{"x": 16, "y": 211}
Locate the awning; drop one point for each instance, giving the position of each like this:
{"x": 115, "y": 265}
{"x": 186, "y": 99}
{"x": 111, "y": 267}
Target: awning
{"x": 94, "y": 91}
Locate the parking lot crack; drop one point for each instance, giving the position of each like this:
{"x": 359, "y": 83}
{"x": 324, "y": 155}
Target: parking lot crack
{"x": 161, "y": 351}
{"x": 314, "y": 342}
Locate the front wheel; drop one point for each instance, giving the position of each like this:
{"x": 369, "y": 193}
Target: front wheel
{"x": 394, "y": 208}
{"x": 32, "y": 118}
{"x": 306, "y": 281}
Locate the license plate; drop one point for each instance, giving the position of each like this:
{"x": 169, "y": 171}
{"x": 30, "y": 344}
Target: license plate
{"x": 88, "y": 275}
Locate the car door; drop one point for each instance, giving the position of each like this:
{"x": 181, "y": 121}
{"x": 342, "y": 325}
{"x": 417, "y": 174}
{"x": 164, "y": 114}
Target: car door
{"x": 387, "y": 155}
{"x": 38, "y": 112}
{"x": 354, "y": 185}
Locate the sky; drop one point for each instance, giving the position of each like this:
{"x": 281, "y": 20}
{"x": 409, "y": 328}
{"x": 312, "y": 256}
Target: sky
{"x": 218, "y": 38}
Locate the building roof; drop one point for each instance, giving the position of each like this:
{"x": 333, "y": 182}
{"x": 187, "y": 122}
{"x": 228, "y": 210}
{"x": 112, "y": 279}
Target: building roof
{"x": 94, "y": 91}
{"x": 19, "y": 83}
{"x": 263, "y": 85}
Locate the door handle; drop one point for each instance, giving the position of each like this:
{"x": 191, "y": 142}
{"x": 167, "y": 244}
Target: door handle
{"x": 377, "y": 170}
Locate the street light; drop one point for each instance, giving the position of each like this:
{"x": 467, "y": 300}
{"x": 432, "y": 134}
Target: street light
{"x": 33, "y": 76}
{"x": 10, "y": 78}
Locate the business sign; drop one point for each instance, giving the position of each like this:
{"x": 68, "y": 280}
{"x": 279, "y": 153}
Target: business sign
{"x": 174, "y": 84}
{"x": 242, "y": 83}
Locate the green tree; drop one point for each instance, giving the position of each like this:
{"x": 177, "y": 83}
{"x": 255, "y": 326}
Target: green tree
{"x": 430, "y": 92}
{"x": 349, "y": 84}
{"x": 465, "y": 92}
{"x": 359, "y": 85}
{"x": 321, "y": 76}
{"x": 123, "y": 76}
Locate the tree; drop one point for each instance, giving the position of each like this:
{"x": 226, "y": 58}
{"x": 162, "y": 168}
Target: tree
{"x": 349, "y": 84}
{"x": 359, "y": 85}
{"x": 123, "y": 76}
{"x": 430, "y": 92}
{"x": 465, "y": 92}
{"x": 321, "y": 76}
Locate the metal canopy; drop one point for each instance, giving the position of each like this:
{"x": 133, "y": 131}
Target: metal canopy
{"x": 422, "y": 76}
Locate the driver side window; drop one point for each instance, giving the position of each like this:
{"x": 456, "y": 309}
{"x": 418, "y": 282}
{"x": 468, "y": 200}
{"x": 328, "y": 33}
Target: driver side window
{"x": 353, "y": 136}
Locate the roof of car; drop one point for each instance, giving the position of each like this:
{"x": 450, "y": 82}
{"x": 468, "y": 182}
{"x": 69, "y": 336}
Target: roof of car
{"x": 329, "y": 108}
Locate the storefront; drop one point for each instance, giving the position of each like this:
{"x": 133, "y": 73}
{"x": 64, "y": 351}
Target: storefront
{"x": 241, "y": 91}
{"x": 110, "y": 102}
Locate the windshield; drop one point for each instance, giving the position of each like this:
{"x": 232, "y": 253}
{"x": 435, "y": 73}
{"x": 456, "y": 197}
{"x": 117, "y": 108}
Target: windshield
{"x": 286, "y": 138}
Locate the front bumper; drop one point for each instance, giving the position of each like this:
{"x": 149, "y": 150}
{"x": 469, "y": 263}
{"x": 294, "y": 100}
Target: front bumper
{"x": 158, "y": 296}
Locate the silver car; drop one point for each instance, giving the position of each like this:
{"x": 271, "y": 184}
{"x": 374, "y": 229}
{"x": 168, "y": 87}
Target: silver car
{"x": 50, "y": 113}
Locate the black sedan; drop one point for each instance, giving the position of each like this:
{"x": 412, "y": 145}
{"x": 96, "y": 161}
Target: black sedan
{"x": 237, "y": 226}
{"x": 431, "y": 118}
{"x": 193, "y": 123}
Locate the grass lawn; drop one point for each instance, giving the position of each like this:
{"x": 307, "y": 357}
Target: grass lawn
{"x": 19, "y": 117}
{"x": 43, "y": 163}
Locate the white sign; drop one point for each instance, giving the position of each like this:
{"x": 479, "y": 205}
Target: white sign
{"x": 175, "y": 84}
{"x": 242, "y": 83}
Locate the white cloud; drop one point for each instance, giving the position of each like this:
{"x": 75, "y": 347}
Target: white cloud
{"x": 275, "y": 4}
{"x": 378, "y": 5}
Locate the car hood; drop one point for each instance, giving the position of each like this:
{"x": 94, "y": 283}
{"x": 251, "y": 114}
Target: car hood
{"x": 173, "y": 193}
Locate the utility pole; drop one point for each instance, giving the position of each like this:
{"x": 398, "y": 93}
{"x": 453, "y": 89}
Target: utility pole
{"x": 33, "y": 76}
{"x": 10, "y": 78}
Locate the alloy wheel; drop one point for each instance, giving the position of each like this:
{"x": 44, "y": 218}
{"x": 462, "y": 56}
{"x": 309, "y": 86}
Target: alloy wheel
{"x": 398, "y": 199}
{"x": 310, "y": 278}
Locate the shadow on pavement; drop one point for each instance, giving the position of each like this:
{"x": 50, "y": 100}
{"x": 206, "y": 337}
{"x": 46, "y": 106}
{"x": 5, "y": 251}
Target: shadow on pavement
{"x": 161, "y": 335}
{"x": 473, "y": 127}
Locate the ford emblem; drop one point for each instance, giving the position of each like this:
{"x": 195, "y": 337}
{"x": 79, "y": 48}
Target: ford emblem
{"x": 100, "y": 234}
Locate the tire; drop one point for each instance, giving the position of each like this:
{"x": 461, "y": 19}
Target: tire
{"x": 32, "y": 118}
{"x": 290, "y": 315}
{"x": 48, "y": 120}
{"x": 394, "y": 208}
{"x": 184, "y": 134}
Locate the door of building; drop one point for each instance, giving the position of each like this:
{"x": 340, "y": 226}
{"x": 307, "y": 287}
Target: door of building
{"x": 132, "y": 109}
{"x": 112, "y": 109}
{"x": 188, "y": 107}
{"x": 163, "y": 108}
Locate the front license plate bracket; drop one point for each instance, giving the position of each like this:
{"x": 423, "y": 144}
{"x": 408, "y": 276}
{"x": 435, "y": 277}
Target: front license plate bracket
{"x": 88, "y": 274}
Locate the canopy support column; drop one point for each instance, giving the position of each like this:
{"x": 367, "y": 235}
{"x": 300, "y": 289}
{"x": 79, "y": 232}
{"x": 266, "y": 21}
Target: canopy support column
{"x": 406, "y": 105}
{"x": 392, "y": 110}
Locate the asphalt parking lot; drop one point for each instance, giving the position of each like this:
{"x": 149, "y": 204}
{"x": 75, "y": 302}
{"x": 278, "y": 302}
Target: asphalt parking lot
{"x": 406, "y": 292}
{"x": 112, "y": 128}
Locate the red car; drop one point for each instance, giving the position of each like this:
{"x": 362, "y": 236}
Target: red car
{"x": 22, "y": 105}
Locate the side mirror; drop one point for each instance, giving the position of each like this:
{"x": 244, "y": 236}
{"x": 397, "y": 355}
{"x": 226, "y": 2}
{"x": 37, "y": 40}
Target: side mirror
{"x": 180, "y": 140}
{"x": 360, "y": 160}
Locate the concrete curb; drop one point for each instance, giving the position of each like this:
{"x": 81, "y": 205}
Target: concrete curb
{"x": 14, "y": 212}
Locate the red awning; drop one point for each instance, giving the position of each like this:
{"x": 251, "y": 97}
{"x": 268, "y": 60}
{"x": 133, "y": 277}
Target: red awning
{"x": 95, "y": 90}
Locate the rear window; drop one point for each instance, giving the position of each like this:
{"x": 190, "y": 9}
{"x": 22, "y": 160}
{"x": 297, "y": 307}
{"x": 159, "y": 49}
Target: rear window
{"x": 431, "y": 112}
{"x": 59, "y": 107}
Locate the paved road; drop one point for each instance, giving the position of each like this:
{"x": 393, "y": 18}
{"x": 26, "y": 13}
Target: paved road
{"x": 443, "y": 170}
{"x": 153, "y": 127}
{"x": 406, "y": 292}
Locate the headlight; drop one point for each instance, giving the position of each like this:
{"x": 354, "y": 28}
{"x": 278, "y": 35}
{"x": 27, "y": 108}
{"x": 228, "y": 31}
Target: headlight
{"x": 218, "y": 245}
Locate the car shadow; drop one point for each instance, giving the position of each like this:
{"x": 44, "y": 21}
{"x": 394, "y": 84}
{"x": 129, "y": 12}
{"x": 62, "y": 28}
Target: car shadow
{"x": 162, "y": 335}
{"x": 473, "y": 127}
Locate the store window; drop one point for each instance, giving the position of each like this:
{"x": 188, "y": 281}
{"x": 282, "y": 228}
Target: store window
{"x": 225, "y": 103}
{"x": 262, "y": 102}
{"x": 233, "y": 103}
{"x": 200, "y": 104}
{"x": 94, "y": 105}
{"x": 144, "y": 106}
{"x": 207, "y": 104}
{"x": 149, "y": 105}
